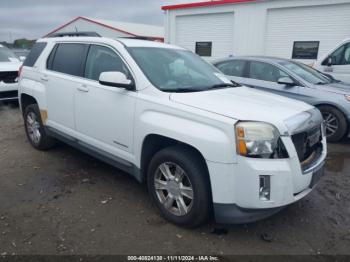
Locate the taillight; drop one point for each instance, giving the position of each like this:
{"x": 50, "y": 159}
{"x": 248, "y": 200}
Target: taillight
{"x": 20, "y": 71}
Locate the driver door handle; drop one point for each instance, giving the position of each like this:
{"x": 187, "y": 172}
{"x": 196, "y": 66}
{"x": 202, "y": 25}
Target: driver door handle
{"x": 83, "y": 88}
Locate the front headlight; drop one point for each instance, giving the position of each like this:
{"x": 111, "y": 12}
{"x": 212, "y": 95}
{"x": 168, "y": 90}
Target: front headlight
{"x": 259, "y": 140}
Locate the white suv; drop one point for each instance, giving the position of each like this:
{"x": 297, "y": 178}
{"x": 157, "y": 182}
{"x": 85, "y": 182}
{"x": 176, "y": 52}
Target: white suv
{"x": 202, "y": 144}
{"x": 9, "y": 66}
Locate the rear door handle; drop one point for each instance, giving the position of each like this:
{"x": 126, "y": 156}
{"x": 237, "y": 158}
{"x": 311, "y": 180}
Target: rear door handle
{"x": 83, "y": 88}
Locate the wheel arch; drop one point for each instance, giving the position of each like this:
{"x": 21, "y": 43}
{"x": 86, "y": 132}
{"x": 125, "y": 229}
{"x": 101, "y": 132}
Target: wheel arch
{"x": 26, "y": 100}
{"x": 335, "y": 106}
{"x": 342, "y": 111}
{"x": 153, "y": 143}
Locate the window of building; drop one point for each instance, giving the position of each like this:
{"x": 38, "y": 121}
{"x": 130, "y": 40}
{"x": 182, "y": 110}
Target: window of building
{"x": 204, "y": 48}
{"x": 305, "y": 49}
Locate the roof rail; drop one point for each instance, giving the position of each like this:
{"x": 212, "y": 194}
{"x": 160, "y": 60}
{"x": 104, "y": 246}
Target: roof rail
{"x": 137, "y": 37}
{"x": 91, "y": 34}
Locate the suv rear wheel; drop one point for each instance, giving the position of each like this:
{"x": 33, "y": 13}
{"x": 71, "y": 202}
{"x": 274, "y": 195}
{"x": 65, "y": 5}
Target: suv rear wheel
{"x": 35, "y": 129}
{"x": 335, "y": 123}
{"x": 178, "y": 184}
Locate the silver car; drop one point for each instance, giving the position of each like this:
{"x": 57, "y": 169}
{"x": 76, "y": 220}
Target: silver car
{"x": 295, "y": 80}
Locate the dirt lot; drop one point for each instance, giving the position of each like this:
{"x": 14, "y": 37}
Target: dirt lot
{"x": 65, "y": 202}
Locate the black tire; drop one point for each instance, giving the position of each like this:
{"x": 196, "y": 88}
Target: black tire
{"x": 196, "y": 172}
{"x": 339, "y": 119}
{"x": 45, "y": 142}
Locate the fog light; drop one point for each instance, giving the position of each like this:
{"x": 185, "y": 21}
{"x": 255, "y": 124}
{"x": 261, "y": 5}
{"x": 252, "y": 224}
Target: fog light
{"x": 264, "y": 188}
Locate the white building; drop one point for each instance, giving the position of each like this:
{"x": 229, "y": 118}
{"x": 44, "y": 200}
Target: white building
{"x": 299, "y": 29}
{"x": 112, "y": 29}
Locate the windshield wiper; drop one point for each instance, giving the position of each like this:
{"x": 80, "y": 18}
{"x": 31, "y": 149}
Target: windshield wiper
{"x": 185, "y": 90}
{"x": 321, "y": 83}
{"x": 223, "y": 85}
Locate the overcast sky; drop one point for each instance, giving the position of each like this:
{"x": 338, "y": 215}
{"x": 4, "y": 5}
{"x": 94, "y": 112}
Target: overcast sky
{"x": 32, "y": 19}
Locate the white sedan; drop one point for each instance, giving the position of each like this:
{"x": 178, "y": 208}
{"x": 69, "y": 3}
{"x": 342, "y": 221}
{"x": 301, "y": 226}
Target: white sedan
{"x": 9, "y": 67}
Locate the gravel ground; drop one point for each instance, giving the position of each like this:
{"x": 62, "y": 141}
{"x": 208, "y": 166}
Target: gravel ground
{"x": 65, "y": 202}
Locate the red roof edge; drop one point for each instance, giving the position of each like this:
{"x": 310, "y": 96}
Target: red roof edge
{"x": 207, "y": 3}
{"x": 98, "y": 23}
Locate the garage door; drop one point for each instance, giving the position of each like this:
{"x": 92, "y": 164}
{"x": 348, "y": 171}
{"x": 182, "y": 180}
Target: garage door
{"x": 328, "y": 24}
{"x": 216, "y": 28}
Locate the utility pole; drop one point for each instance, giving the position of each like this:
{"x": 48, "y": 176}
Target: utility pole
{"x": 10, "y": 37}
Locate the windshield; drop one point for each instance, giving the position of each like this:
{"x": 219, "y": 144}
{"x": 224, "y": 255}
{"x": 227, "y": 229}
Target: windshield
{"x": 6, "y": 55}
{"x": 173, "y": 70}
{"x": 307, "y": 73}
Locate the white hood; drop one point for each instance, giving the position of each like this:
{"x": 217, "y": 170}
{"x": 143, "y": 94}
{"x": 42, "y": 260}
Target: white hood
{"x": 9, "y": 66}
{"x": 244, "y": 103}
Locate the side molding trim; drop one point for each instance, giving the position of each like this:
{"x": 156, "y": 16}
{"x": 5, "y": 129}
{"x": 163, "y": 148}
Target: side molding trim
{"x": 106, "y": 157}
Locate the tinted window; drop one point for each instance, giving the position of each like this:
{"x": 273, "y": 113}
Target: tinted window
{"x": 232, "y": 68}
{"x": 265, "y": 72}
{"x": 34, "y": 54}
{"x": 102, "y": 59}
{"x": 305, "y": 50}
{"x": 341, "y": 56}
{"x": 69, "y": 59}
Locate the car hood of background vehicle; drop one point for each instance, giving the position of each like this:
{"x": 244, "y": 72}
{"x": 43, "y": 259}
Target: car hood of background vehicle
{"x": 338, "y": 88}
{"x": 9, "y": 66}
{"x": 244, "y": 103}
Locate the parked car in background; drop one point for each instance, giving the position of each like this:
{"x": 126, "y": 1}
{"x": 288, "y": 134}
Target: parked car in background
{"x": 336, "y": 62}
{"x": 9, "y": 67}
{"x": 21, "y": 53}
{"x": 167, "y": 117}
{"x": 295, "y": 80}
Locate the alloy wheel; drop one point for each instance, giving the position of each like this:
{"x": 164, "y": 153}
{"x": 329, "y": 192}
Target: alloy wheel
{"x": 331, "y": 123}
{"x": 174, "y": 189}
{"x": 33, "y": 128}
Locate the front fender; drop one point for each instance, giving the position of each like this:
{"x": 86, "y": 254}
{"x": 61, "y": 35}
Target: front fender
{"x": 213, "y": 139}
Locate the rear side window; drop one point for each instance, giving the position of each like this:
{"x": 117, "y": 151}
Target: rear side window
{"x": 68, "y": 58}
{"x": 265, "y": 72}
{"x": 232, "y": 68}
{"x": 34, "y": 54}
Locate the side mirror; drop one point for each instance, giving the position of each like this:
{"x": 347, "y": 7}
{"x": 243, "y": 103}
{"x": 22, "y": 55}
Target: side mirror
{"x": 286, "y": 81}
{"x": 116, "y": 79}
{"x": 329, "y": 61}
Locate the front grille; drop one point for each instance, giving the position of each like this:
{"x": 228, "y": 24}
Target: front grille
{"x": 9, "y": 77}
{"x": 308, "y": 145}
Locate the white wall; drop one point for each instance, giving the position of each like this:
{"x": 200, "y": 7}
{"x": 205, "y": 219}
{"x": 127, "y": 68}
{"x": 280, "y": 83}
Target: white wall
{"x": 250, "y": 24}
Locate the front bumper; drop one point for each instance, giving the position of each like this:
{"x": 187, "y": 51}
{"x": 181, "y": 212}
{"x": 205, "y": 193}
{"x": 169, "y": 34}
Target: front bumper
{"x": 235, "y": 187}
{"x": 8, "y": 91}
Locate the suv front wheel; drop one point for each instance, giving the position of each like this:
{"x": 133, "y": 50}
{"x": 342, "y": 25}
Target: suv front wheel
{"x": 178, "y": 184}
{"x": 35, "y": 129}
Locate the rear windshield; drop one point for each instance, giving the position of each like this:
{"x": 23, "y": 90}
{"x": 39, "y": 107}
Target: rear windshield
{"x": 34, "y": 54}
{"x": 6, "y": 55}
